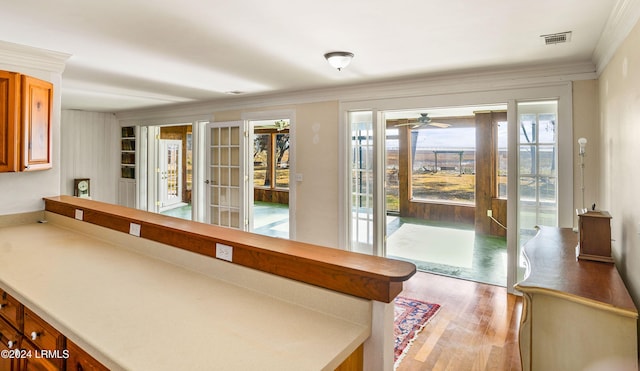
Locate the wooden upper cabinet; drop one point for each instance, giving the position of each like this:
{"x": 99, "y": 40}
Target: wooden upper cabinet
{"x": 25, "y": 123}
{"x": 9, "y": 121}
{"x": 37, "y": 102}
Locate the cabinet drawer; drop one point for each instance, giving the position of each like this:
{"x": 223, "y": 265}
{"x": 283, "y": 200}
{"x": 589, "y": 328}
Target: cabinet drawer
{"x": 40, "y": 333}
{"x": 11, "y": 310}
{"x": 9, "y": 336}
{"x": 79, "y": 360}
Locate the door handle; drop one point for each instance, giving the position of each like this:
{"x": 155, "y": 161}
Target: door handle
{"x": 206, "y": 181}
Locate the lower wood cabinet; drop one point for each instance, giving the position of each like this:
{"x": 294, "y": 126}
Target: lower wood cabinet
{"x": 33, "y": 359}
{"x": 47, "y": 342}
{"x": 11, "y": 310}
{"x": 79, "y": 360}
{"x": 9, "y": 341}
{"x": 32, "y": 344}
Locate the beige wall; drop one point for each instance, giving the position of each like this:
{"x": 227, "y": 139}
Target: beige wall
{"x": 88, "y": 140}
{"x": 619, "y": 93}
{"x": 586, "y": 120}
{"x": 316, "y": 158}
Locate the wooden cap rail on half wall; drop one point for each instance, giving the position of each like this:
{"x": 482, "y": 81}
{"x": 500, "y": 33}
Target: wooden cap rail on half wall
{"x": 365, "y": 276}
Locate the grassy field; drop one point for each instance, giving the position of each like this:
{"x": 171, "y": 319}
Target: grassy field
{"x": 441, "y": 186}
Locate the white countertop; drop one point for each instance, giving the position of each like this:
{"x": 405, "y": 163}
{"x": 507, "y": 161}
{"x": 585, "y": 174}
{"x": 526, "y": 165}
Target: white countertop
{"x": 135, "y": 312}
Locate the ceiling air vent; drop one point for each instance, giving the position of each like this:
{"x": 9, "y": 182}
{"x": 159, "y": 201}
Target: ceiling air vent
{"x": 557, "y": 38}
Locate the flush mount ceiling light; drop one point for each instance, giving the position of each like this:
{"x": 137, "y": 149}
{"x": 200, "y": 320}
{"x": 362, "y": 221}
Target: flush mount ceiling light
{"x": 339, "y": 60}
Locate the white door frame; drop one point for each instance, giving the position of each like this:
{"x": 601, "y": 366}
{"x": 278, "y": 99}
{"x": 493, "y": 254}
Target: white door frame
{"x": 561, "y": 91}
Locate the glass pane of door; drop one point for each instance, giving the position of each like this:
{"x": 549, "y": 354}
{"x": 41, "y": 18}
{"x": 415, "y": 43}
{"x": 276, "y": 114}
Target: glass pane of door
{"x": 392, "y": 170}
{"x": 537, "y": 169}
{"x": 282, "y": 160}
{"x": 226, "y": 181}
{"x": 362, "y": 182}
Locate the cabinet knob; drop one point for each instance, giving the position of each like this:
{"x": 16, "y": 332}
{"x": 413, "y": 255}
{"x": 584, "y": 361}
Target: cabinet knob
{"x": 10, "y": 344}
{"x": 2, "y": 305}
{"x": 34, "y": 335}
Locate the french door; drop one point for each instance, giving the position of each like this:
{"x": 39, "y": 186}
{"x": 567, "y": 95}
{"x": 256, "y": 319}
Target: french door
{"x": 170, "y": 173}
{"x": 366, "y": 201}
{"x": 227, "y": 182}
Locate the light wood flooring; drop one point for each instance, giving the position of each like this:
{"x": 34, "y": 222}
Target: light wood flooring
{"x": 475, "y": 329}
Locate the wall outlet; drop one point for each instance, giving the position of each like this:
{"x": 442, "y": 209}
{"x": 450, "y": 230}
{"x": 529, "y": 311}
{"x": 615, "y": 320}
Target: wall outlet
{"x": 490, "y": 213}
{"x": 79, "y": 214}
{"x": 134, "y": 229}
{"x": 224, "y": 252}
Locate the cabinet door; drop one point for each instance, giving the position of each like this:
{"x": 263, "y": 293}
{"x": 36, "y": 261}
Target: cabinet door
{"x": 11, "y": 310}
{"x": 79, "y": 360}
{"x": 7, "y": 363}
{"x": 8, "y": 341}
{"x": 9, "y": 121}
{"x": 34, "y": 362}
{"x": 37, "y": 103}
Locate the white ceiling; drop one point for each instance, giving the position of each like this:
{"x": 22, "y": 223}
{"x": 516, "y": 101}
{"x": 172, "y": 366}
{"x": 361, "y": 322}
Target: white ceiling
{"x": 129, "y": 54}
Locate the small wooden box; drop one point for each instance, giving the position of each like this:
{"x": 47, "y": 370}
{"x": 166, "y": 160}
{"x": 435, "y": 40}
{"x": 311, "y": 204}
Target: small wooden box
{"x": 595, "y": 236}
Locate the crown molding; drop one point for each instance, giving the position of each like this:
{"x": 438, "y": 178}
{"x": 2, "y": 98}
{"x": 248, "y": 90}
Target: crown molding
{"x": 624, "y": 16}
{"x": 23, "y": 56}
{"x": 450, "y": 83}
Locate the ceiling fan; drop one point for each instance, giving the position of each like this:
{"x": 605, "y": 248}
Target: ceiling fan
{"x": 423, "y": 120}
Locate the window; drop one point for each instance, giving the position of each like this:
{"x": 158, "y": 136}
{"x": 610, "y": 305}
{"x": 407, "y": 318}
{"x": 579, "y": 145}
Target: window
{"x": 271, "y": 159}
{"x": 443, "y": 163}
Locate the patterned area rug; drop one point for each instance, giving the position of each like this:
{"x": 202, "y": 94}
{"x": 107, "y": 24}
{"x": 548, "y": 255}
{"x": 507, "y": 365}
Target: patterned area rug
{"x": 410, "y": 317}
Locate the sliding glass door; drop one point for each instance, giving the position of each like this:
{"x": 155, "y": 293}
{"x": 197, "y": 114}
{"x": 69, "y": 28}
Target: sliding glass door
{"x": 533, "y": 165}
